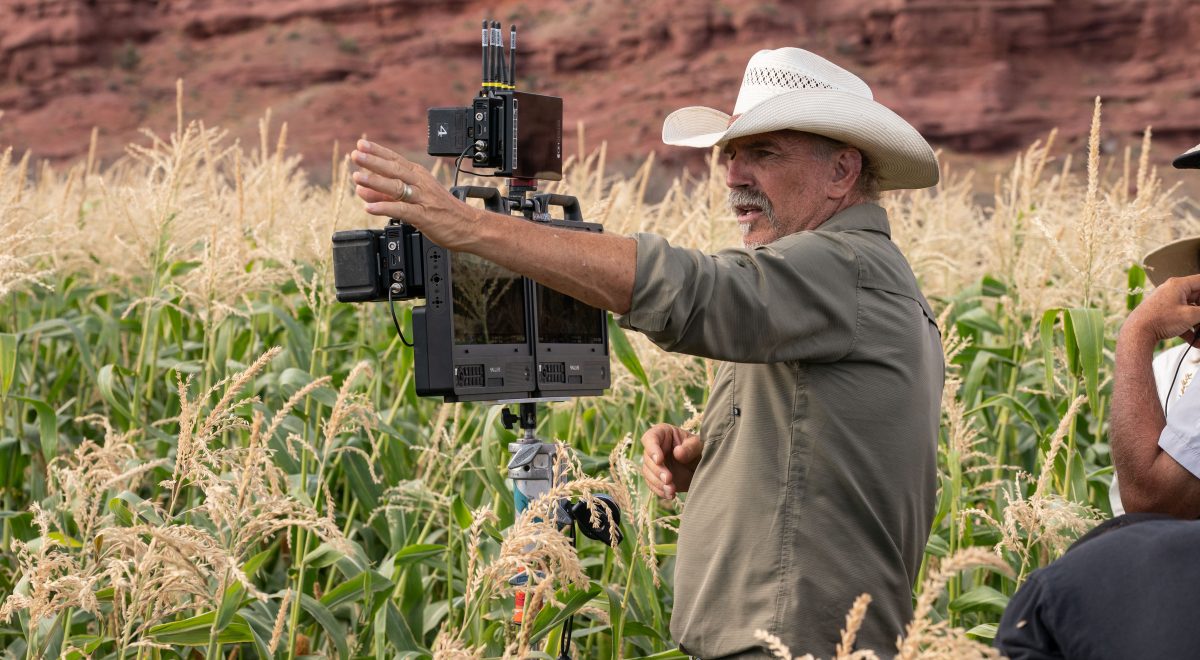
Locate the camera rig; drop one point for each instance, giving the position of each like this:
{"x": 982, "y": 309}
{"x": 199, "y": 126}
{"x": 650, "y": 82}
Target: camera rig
{"x": 486, "y": 333}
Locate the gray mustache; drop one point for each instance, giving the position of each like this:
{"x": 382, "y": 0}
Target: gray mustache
{"x": 740, "y": 197}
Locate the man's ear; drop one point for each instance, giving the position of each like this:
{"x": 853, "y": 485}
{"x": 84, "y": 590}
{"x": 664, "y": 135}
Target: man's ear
{"x": 847, "y": 166}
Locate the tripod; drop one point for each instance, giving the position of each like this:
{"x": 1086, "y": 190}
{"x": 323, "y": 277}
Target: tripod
{"x": 534, "y": 472}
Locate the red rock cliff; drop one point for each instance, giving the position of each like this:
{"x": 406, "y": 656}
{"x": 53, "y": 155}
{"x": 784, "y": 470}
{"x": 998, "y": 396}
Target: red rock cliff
{"x": 972, "y": 75}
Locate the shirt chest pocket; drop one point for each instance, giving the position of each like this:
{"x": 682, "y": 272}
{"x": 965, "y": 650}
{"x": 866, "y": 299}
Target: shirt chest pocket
{"x": 722, "y": 414}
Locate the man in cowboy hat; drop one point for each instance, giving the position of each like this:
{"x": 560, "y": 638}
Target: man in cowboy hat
{"x": 1157, "y": 454}
{"x": 812, "y": 479}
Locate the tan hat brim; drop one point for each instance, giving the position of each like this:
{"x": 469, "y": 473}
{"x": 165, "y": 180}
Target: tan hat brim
{"x": 1176, "y": 259}
{"x": 903, "y": 157}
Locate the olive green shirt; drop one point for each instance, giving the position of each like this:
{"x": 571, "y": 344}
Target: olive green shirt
{"x": 817, "y": 480}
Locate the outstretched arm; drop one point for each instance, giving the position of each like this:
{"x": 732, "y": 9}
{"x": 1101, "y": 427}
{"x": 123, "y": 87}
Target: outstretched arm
{"x": 597, "y": 269}
{"x": 1151, "y": 480}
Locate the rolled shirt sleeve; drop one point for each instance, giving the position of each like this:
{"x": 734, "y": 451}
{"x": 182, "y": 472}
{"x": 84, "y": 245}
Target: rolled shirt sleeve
{"x": 1181, "y": 436}
{"x": 795, "y": 299}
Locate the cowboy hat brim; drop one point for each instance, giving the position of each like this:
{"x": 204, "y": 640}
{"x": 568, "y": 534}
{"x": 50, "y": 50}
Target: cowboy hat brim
{"x": 904, "y": 159}
{"x": 1176, "y": 259}
{"x": 1188, "y": 160}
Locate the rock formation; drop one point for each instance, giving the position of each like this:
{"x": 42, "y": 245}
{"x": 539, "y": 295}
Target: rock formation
{"x": 977, "y": 76}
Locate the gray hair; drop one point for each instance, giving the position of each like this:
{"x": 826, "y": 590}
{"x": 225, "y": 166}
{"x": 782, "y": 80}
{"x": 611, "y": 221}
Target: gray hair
{"x": 867, "y": 185}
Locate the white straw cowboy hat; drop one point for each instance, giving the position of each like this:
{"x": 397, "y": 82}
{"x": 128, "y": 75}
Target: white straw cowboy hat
{"x": 791, "y": 88}
{"x": 1181, "y": 257}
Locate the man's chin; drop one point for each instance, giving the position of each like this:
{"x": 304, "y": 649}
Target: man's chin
{"x": 754, "y": 239}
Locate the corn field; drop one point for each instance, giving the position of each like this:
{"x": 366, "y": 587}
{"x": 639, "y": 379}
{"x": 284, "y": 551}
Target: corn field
{"x": 203, "y": 454}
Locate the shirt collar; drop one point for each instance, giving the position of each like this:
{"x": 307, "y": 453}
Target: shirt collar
{"x": 860, "y": 217}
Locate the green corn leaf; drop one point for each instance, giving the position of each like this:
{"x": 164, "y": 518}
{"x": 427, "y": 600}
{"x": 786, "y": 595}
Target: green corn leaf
{"x": 462, "y": 515}
{"x": 108, "y": 379}
{"x": 992, "y": 287}
{"x": 665, "y": 549}
{"x": 1085, "y": 330}
{"x": 975, "y": 375}
{"x": 333, "y": 629}
{"x": 396, "y": 630}
{"x": 638, "y": 629}
{"x": 128, "y": 507}
{"x": 262, "y": 625}
{"x": 984, "y": 631}
{"x": 625, "y": 352}
{"x": 197, "y": 630}
{"x": 616, "y": 619}
{"x": 1046, "y": 334}
{"x": 47, "y": 426}
{"x": 8, "y": 362}
{"x": 418, "y": 552}
{"x": 236, "y": 593}
{"x": 1137, "y": 281}
{"x": 572, "y": 599}
{"x": 358, "y": 588}
{"x": 978, "y": 318}
{"x": 1004, "y": 400}
{"x": 299, "y": 339}
{"x": 937, "y": 546}
{"x": 981, "y": 598}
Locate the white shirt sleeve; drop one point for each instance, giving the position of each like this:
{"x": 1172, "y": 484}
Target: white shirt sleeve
{"x": 1181, "y": 437}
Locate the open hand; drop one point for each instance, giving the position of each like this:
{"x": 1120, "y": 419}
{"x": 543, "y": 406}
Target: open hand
{"x": 395, "y": 187}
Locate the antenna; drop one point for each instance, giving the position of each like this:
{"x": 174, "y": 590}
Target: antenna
{"x": 512, "y": 57}
{"x": 486, "y": 60}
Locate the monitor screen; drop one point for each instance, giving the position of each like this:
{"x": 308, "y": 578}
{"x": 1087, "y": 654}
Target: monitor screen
{"x": 564, "y": 320}
{"x": 489, "y": 302}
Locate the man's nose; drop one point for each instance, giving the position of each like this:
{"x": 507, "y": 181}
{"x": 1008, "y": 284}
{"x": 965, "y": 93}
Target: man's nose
{"x": 737, "y": 174}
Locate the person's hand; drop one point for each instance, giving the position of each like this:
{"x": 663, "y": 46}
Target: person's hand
{"x": 670, "y": 456}
{"x": 394, "y": 187}
{"x": 1170, "y": 311}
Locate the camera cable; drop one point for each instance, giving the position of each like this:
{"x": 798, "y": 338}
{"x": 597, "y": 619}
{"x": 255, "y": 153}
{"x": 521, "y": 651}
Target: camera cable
{"x": 458, "y": 164}
{"x": 395, "y": 321}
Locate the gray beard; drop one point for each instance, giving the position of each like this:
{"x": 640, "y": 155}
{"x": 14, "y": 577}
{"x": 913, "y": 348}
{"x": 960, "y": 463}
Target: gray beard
{"x": 749, "y": 197}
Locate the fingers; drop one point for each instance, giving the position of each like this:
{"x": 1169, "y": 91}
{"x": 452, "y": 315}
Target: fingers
{"x": 688, "y": 449}
{"x": 366, "y": 146}
{"x": 370, "y": 196}
{"x": 389, "y": 209}
{"x": 654, "y": 481}
{"x": 1186, "y": 288}
{"x": 655, "y": 443}
{"x": 385, "y": 169}
{"x": 386, "y": 189}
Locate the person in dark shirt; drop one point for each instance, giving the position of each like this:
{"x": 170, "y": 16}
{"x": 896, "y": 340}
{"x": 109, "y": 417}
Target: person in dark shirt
{"x": 1127, "y": 589}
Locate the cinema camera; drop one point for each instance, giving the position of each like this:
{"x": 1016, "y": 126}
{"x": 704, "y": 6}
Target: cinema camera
{"x": 484, "y": 332}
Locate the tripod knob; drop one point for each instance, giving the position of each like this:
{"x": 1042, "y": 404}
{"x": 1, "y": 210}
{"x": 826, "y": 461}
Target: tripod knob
{"x": 509, "y": 419}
